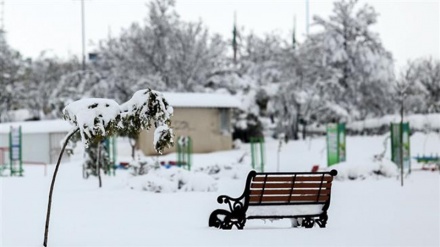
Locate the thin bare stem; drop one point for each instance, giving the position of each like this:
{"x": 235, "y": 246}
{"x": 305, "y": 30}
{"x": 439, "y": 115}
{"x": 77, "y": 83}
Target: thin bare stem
{"x": 49, "y": 204}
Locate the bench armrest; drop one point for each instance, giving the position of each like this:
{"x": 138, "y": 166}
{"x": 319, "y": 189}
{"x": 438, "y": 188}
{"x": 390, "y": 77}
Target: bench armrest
{"x": 233, "y": 203}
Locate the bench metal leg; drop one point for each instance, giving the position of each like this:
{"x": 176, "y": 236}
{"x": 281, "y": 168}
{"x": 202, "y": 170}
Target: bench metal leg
{"x": 308, "y": 222}
{"x": 322, "y": 221}
{"x": 225, "y": 220}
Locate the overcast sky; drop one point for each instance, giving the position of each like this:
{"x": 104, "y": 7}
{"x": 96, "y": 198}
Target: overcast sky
{"x": 409, "y": 29}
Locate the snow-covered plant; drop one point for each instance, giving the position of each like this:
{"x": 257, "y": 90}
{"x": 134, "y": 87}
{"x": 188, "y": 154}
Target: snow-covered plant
{"x": 96, "y": 158}
{"x": 96, "y": 119}
{"x": 143, "y": 166}
{"x": 99, "y": 118}
{"x": 138, "y": 113}
{"x": 175, "y": 179}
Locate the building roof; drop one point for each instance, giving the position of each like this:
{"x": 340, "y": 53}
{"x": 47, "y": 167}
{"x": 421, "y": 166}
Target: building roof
{"x": 202, "y": 100}
{"x": 44, "y": 126}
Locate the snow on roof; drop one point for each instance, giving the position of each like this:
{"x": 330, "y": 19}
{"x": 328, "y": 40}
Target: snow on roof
{"x": 202, "y": 100}
{"x": 45, "y": 126}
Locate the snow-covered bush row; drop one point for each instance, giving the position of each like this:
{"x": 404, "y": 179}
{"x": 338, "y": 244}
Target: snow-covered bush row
{"x": 366, "y": 169}
{"x": 163, "y": 180}
{"x": 417, "y": 122}
{"x": 98, "y": 118}
{"x": 233, "y": 171}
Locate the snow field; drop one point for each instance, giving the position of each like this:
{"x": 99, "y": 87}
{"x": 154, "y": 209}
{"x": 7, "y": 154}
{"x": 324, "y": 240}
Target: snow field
{"x": 374, "y": 211}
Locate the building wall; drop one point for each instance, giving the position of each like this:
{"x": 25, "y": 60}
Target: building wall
{"x": 38, "y": 147}
{"x": 203, "y": 125}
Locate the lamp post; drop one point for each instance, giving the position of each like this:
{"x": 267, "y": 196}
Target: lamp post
{"x": 83, "y": 36}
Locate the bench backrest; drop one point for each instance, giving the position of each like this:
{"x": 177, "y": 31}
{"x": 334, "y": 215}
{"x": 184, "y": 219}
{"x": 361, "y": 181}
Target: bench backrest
{"x": 290, "y": 188}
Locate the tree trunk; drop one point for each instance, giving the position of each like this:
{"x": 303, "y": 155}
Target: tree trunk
{"x": 304, "y": 132}
{"x": 49, "y": 203}
{"x": 98, "y": 165}
{"x": 132, "y": 142}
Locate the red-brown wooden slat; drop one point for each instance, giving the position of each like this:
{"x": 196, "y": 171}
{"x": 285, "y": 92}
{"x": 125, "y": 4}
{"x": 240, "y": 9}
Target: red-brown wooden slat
{"x": 289, "y": 178}
{"x": 268, "y": 199}
{"x": 288, "y": 191}
{"x": 289, "y": 185}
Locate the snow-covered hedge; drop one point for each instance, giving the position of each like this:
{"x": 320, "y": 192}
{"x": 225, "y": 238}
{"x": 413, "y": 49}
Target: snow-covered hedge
{"x": 366, "y": 169}
{"x": 378, "y": 126}
{"x": 163, "y": 180}
{"x": 417, "y": 122}
{"x": 232, "y": 171}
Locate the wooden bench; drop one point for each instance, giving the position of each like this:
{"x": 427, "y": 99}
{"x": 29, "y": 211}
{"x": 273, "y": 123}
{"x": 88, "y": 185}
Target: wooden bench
{"x": 302, "y": 196}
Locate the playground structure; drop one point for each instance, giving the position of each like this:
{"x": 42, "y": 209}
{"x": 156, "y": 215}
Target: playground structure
{"x": 429, "y": 162}
{"x": 184, "y": 152}
{"x": 14, "y": 151}
{"x": 12, "y": 160}
{"x": 257, "y": 153}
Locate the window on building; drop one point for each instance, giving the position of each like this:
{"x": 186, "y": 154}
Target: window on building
{"x": 225, "y": 124}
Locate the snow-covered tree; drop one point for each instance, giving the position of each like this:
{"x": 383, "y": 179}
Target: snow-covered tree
{"x": 360, "y": 69}
{"x": 339, "y": 73}
{"x": 97, "y": 158}
{"x": 12, "y": 72}
{"x": 164, "y": 52}
{"x": 422, "y": 80}
{"x": 96, "y": 119}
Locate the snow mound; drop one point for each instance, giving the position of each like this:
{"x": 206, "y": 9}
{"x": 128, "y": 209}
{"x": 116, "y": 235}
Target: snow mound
{"x": 233, "y": 171}
{"x": 153, "y": 183}
{"x": 163, "y": 180}
{"x": 365, "y": 169}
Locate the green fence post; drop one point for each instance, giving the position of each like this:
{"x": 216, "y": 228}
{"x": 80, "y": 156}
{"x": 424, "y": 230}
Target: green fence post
{"x": 21, "y": 153}
{"x": 11, "y": 170}
{"x": 262, "y": 154}
{"x": 257, "y": 153}
{"x": 184, "y": 152}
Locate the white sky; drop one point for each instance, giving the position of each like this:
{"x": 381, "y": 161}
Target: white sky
{"x": 409, "y": 29}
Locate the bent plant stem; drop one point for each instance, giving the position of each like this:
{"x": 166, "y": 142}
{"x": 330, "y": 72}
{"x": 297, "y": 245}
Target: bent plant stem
{"x": 49, "y": 204}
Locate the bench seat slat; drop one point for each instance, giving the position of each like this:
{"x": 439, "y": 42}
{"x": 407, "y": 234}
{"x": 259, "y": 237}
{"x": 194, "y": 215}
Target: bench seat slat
{"x": 289, "y": 178}
{"x": 255, "y": 192}
{"x": 289, "y": 185}
{"x": 285, "y": 199}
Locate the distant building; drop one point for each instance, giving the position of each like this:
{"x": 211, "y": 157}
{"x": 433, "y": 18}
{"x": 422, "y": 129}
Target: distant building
{"x": 206, "y": 118}
{"x": 41, "y": 140}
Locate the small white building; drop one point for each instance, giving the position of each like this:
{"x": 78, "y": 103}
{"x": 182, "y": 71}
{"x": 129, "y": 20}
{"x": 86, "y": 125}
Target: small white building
{"x": 40, "y": 139}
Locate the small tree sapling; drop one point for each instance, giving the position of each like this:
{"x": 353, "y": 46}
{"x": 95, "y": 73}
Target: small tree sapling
{"x": 96, "y": 119}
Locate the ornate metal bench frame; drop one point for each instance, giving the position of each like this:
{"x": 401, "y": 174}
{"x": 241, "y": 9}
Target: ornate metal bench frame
{"x": 236, "y": 216}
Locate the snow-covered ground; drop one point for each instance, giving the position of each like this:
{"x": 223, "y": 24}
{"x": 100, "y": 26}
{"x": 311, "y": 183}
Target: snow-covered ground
{"x": 370, "y": 212}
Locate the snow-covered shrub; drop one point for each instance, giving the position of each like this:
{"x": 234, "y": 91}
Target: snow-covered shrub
{"x": 196, "y": 181}
{"x": 246, "y": 126}
{"x": 98, "y": 118}
{"x": 95, "y": 118}
{"x": 233, "y": 171}
{"x": 96, "y": 154}
{"x": 142, "y": 166}
{"x": 366, "y": 169}
{"x": 146, "y": 106}
{"x": 153, "y": 183}
{"x": 172, "y": 180}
